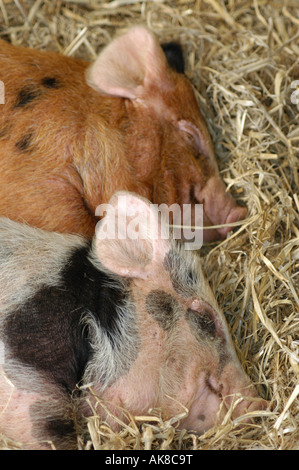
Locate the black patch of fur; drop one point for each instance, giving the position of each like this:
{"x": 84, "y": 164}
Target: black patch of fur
{"x": 47, "y": 332}
{"x": 51, "y": 82}
{"x": 163, "y": 307}
{"x": 202, "y": 323}
{"x": 174, "y": 56}
{"x": 24, "y": 143}
{"x": 26, "y": 96}
{"x": 223, "y": 356}
{"x": 62, "y": 428}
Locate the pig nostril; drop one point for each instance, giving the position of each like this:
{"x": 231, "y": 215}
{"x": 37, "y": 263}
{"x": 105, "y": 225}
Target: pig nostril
{"x": 201, "y": 417}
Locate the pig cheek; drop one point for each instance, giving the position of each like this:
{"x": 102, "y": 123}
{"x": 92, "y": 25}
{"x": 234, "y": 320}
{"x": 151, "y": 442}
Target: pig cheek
{"x": 205, "y": 406}
{"x": 132, "y": 393}
{"x": 144, "y": 139}
{"x": 138, "y": 390}
{"x": 188, "y": 386}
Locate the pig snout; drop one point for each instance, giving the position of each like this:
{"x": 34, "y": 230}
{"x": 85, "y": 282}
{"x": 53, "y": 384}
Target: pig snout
{"x": 231, "y": 213}
{"x": 202, "y": 184}
{"x": 220, "y": 208}
{"x": 216, "y": 396}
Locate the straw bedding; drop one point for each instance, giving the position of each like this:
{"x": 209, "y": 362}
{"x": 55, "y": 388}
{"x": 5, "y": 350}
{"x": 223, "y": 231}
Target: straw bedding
{"x": 242, "y": 58}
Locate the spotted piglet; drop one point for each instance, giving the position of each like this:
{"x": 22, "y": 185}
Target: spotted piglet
{"x": 129, "y": 313}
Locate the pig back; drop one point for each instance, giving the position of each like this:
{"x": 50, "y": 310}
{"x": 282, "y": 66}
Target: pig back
{"x": 58, "y": 144}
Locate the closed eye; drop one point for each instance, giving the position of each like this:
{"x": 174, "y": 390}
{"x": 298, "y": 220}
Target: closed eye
{"x": 202, "y": 322}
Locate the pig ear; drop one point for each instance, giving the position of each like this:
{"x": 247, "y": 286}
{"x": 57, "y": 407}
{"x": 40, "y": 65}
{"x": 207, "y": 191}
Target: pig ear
{"x": 131, "y": 239}
{"x": 128, "y": 64}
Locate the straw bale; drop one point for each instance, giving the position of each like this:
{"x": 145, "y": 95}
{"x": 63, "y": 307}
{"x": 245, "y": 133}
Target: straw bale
{"x": 242, "y": 58}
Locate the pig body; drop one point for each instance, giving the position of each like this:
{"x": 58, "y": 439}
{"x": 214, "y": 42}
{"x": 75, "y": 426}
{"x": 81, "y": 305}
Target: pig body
{"x": 72, "y": 133}
{"x": 133, "y": 318}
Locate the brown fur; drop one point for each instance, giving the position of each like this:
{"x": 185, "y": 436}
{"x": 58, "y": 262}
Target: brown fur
{"x": 65, "y": 147}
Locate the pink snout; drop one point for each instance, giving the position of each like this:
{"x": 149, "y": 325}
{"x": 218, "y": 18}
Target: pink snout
{"x": 235, "y": 215}
{"x": 219, "y": 208}
{"x": 246, "y": 406}
{"x": 211, "y": 404}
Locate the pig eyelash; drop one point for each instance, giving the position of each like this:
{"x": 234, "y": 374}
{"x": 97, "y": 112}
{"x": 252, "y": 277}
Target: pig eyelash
{"x": 192, "y": 130}
{"x": 211, "y": 387}
{"x": 205, "y": 318}
{"x": 202, "y": 322}
{"x": 189, "y": 138}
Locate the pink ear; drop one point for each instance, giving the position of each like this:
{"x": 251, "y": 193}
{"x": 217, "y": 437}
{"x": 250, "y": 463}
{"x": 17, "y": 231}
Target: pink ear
{"x": 131, "y": 238}
{"x": 127, "y": 63}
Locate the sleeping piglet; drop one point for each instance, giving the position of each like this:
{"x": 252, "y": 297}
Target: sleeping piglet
{"x": 72, "y": 133}
{"x": 128, "y": 314}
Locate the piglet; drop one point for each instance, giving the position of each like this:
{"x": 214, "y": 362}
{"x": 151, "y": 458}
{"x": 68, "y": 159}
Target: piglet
{"x": 129, "y": 314}
{"x": 72, "y": 133}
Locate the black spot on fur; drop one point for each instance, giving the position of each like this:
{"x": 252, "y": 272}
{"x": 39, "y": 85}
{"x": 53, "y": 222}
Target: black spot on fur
{"x": 48, "y": 331}
{"x": 174, "y": 56}
{"x": 51, "y": 82}
{"x": 5, "y": 130}
{"x": 163, "y": 307}
{"x": 24, "y": 143}
{"x": 202, "y": 323}
{"x": 45, "y": 333}
{"x": 61, "y": 427}
{"x": 26, "y": 96}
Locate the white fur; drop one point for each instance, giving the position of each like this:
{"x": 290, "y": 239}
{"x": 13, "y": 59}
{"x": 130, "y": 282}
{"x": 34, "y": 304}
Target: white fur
{"x": 109, "y": 361}
{"x": 29, "y": 259}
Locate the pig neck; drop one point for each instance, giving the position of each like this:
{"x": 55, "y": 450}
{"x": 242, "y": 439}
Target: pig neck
{"x": 107, "y": 320}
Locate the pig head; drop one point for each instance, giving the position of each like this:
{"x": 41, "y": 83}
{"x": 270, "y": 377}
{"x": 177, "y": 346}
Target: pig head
{"x": 186, "y": 356}
{"x": 71, "y": 134}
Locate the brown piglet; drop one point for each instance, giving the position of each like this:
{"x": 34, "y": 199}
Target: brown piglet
{"x": 72, "y": 133}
